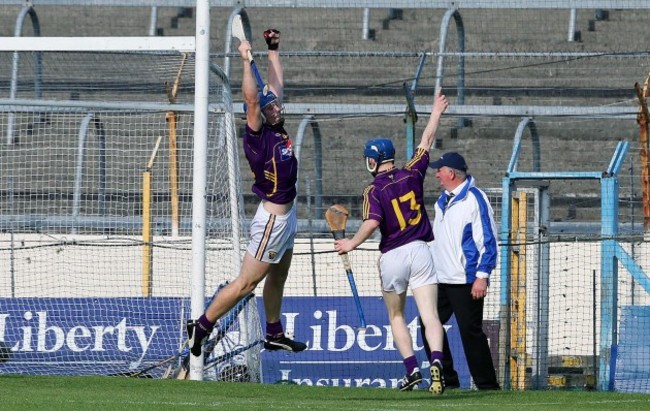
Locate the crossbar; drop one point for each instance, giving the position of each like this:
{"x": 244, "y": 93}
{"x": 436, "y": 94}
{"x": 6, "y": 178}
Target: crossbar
{"x": 184, "y": 43}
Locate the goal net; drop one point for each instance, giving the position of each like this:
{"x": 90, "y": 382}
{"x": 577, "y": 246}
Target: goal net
{"x": 96, "y": 172}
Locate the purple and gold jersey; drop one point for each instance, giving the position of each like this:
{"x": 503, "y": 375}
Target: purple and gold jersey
{"x": 395, "y": 198}
{"x": 270, "y": 156}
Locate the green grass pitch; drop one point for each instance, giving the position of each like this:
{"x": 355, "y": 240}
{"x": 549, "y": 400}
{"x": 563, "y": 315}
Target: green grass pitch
{"x": 21, "y": 392}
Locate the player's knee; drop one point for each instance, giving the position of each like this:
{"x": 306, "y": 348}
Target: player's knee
{"x": 277, "y": 276}
{"x": 248, "y": 287}
{"x": 244, "y": 286}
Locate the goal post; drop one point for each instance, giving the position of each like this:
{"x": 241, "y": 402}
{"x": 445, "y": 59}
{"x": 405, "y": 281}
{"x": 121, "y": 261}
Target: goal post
{"x": 199, "y": 190}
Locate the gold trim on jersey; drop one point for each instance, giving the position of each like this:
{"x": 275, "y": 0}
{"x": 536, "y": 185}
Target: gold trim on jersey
{"x": 272, "y": 176}
{"x": 365, "y": 209}
{"x": 418, "y": 155}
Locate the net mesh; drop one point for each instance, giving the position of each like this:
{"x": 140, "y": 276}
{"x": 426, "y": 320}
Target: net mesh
{"x": 97, "y": 193}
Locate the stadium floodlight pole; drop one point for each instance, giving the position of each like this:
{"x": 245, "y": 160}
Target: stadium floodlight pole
{"x": 199, "y": 183}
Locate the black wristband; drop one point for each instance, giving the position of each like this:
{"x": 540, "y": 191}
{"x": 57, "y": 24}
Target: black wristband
{"x": 269, "y": 40}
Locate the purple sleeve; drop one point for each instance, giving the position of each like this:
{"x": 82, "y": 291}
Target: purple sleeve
{"x": 371, "y": 205}
{"x": 419, "y": 162}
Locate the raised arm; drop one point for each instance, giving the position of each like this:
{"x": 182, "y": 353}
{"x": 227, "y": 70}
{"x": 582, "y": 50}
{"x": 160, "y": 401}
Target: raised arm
{"x": 276, "y": 71}
{"x": 249, "y": 90}
{"x": 440, "y": 104}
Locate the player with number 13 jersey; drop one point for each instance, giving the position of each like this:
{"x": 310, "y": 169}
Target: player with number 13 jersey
{"x": 394, "y": 203}
{"x": 395, "y": 198}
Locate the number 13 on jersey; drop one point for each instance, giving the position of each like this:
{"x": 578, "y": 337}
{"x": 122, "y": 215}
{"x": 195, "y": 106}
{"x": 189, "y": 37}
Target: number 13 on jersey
{"x": 413, "y": 208}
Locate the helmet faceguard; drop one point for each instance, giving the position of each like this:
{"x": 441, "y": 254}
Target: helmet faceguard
{"x": 272, "y": 109}
{"x": 371, "y": 166}
{"x": 380, "y": 150}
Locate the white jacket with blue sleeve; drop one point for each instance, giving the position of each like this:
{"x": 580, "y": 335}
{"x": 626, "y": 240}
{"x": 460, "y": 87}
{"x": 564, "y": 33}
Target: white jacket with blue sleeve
{"x": 465, "y": 244}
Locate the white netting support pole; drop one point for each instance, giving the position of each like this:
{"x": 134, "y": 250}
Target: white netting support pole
{"x": 365, "y": 34}
{"x": 572, "y": 25}
{"x": 199, "y": 183}
{"x": 153, "y": 21}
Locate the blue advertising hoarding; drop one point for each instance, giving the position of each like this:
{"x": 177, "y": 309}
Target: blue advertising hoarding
{"x": 103, "y": 336}
{"x": 74, "y": 336}
{"x": 341, "y": 354}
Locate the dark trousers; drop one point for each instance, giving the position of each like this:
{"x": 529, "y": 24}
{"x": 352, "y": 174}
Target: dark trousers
{"x": 457, "y": 299}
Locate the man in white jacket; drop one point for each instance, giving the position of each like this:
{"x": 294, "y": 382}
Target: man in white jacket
{"x": 465, "y": 254}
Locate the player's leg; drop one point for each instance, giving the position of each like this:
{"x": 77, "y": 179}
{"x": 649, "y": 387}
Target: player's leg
{"x": 254, "y": 267}
{"x": 402, "y": 337}
{"x": 445, "y": 311}
{"x": 251, "y": 273}
{"x": 284, "y": 232}
{"x": 273, "y": 292}
{"x": 425, "y": 298}
{"x": 274, "y": 287}
{"x": 425, "y": 293}
{"x": 395, "y": 271}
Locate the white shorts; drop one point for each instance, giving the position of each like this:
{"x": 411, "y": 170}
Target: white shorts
{"x": 272, "y": 235}
{"x": 411, "y": 264}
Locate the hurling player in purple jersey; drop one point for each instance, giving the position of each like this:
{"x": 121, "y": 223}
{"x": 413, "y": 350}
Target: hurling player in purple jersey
{"x": 394, "y": 202}
{"x": 270, "y": 156}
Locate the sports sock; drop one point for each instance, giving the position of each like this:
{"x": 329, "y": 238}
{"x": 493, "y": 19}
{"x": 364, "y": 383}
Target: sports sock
{"x": 274, "y": 329}
{"x": 436, "y": 355}
{"x": 411, "y": 363}
{"x": 204, "y": 328}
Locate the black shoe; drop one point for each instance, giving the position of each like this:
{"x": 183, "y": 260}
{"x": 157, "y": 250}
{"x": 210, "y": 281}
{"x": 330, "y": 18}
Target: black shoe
{"x": 196, "y": 335}
{"x": 281, "y": 342}
{"x": 437, "y": 386}
{"x": 409, "y": 381}
{"x": 493, "y": 387}
{"x": 451, "y": 383}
